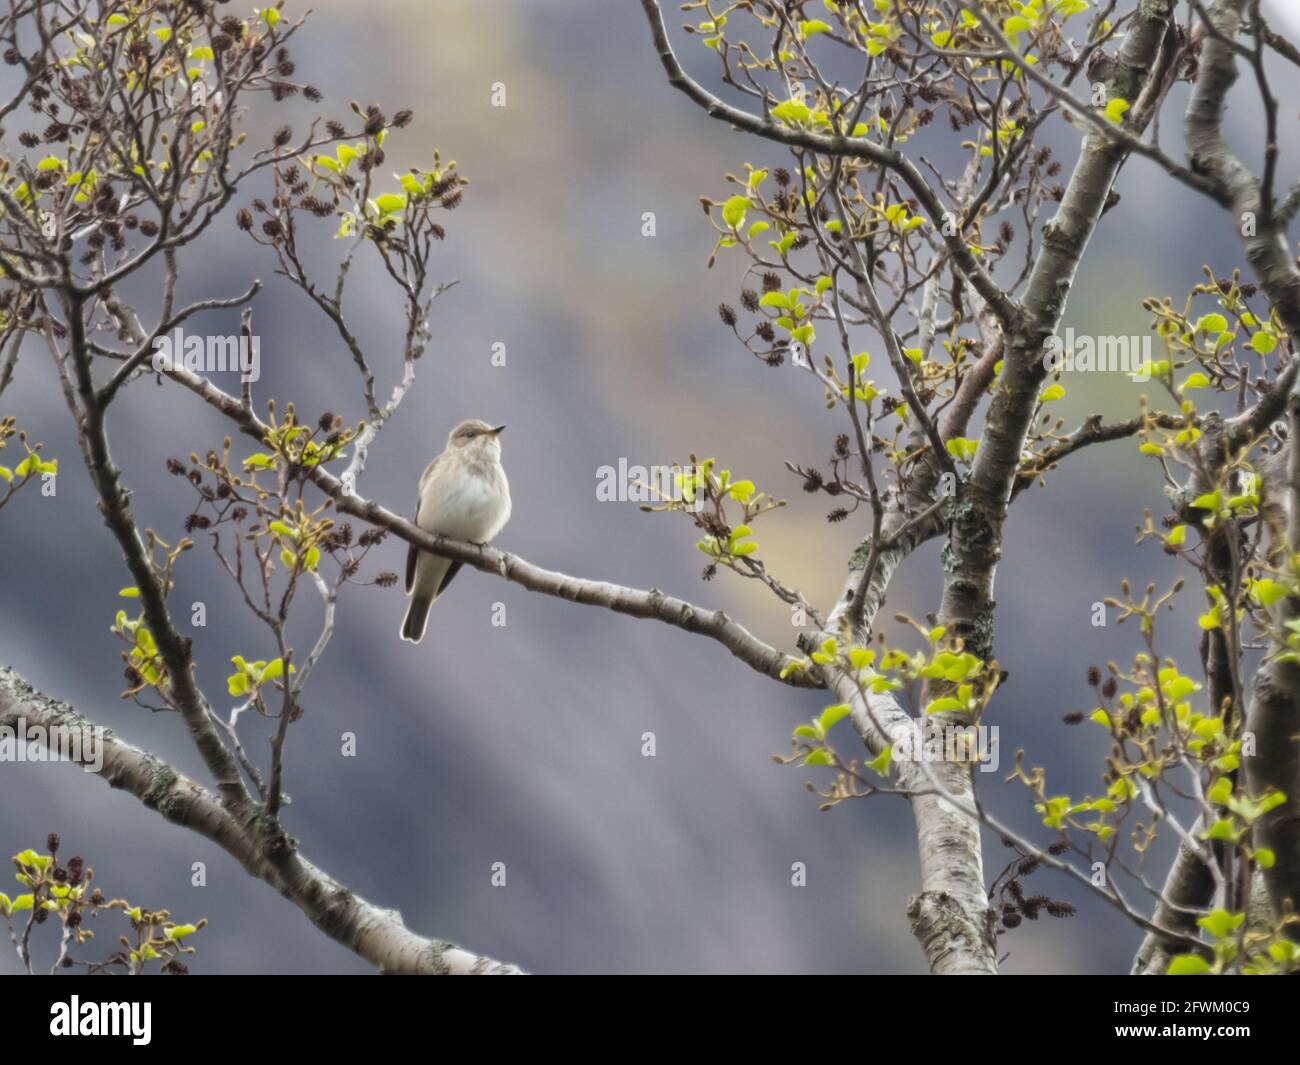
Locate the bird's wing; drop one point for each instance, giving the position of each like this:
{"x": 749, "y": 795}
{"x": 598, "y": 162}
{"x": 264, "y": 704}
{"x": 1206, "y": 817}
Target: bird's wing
{"x": 412, "y": 556}
{"x": 424, "y": 479}
{"x": 452, "y": 570}
{"x": 412, "y": 552}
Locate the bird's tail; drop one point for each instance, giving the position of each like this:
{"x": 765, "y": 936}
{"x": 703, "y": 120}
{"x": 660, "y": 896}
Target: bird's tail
{"x": 417, "y": 617}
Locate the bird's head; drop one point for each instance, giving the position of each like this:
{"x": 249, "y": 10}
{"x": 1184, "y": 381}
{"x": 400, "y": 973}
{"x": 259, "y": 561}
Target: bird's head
{"x": 476, "y": 438}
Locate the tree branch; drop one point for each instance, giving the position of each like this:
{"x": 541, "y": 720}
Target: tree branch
{"x": 635, "y": 602}
{"x": 975, "y": 545}
{"x": 834, "y": 145}
{"x": 1273, "y": 720}
{"x": 173, "y": 648}
{"x": 375, "y": 934}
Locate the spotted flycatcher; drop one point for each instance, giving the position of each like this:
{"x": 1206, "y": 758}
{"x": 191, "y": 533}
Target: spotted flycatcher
{"x": 463, "y": 496}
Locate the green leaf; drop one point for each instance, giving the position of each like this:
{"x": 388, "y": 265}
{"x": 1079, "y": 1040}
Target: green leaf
{"x": 180, "y": 931}
{"x": 1222, "y": 829}
{"x": 792, "y": 112}
{"x": 961, "y": 448}
{"x": 1221, "y": 792}
{"x": 1264, "y": 342}
{"x": 817, "y": 758}
{"x": 1267, "y": 591}
{"x": 1212, "y": 323}
{"x": 733, "y": 211}
{"x": 129, "y": 593}
{"x": 793, "y": 665}
{"x": 1188, "y": 965}
{"x": 1051, "y": 393}
{"x": 390, "y": 202}
{"x": 144, "y": 640}
{"x": 1115, "y": 110}
{"x": 1220, "y": 923}
{"x": 832, "y": 715}
{"x": 811, "y": 27}
{"x": 861, "y": 657}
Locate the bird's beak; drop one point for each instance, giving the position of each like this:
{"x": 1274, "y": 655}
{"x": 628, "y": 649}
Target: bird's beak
{"x": 498, "y": 430}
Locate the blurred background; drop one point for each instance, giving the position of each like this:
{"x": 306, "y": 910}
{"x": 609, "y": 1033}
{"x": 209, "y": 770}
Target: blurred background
{"x": 522, "y": 744}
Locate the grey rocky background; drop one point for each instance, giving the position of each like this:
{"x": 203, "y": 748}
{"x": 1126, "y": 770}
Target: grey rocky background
{"x": 522, "y": 744}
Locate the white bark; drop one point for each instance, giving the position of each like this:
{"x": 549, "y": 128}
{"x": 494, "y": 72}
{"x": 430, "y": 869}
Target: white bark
{"x": 373, "y": 933}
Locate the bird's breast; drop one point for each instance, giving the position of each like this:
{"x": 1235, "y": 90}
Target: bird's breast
{"x": 472, "y": 506}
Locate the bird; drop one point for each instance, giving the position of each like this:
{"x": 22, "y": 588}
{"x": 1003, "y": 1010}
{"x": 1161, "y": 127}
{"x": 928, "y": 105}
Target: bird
{"x": 464, "y": 495}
